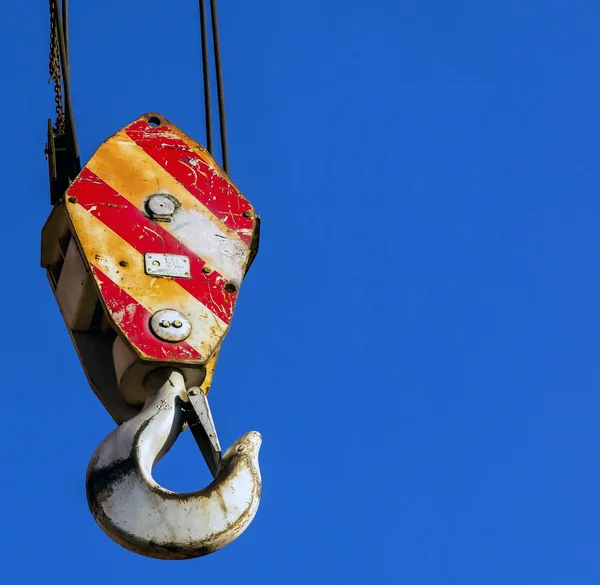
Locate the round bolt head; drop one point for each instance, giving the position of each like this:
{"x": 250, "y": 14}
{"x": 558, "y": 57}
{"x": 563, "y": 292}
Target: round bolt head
{"x": 163, "y": 325}
{"x": 160, "y": 205}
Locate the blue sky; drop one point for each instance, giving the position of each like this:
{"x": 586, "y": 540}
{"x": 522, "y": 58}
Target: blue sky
{"x": 417, "y": 340}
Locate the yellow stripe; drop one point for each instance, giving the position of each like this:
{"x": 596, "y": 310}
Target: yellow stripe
{"x": 106, "y": 251}
{"x": 135, "y": 175}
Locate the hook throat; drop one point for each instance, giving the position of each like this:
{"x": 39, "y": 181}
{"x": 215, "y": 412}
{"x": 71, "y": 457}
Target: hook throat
{"x": 141, "y": 515}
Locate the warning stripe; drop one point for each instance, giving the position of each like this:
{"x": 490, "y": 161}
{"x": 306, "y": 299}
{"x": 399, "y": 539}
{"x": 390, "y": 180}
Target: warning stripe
{"x": 191, "y": 170}
{"x": 124, "y": 166}
{"x": 118, "y": 260}
{"x": 125, "y": 220}
{"x": 132, "y": 316}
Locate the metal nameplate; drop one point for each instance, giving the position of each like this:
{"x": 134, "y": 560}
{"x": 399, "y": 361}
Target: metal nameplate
{"x": 167, "y": 265}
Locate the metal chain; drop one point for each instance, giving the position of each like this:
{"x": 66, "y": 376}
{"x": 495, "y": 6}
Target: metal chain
{"x": 54, "y": 67}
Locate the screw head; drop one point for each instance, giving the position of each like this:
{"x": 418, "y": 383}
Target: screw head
{"x": 170, "y": 325}
{"x": 160, "y": 206}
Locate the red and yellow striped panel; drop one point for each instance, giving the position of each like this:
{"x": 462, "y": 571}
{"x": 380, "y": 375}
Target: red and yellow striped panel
{"x": 212, "y": 226}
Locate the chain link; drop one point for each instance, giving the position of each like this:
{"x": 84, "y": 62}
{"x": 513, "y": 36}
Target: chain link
{"x": 55, "y": 73}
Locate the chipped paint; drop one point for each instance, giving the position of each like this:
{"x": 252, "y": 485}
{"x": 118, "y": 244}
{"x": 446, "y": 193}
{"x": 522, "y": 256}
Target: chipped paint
{"x": 212, "y": 226}
{"x": 150, "y": 520}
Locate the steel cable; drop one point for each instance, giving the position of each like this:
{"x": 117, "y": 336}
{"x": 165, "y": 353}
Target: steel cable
{"x": 219, "y": 80}
{"x": 220, "y": 89}
{"x": 206, "y": 76}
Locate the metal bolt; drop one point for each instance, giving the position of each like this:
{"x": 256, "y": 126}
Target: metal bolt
{"x": 72, "y": 199}
{"x": 160, "y": 206}
{"x": 170, "y": 325}
{"x": 207, "y": 269}
{"x": 194, "y": 391}
{"x": 247, "y": 213}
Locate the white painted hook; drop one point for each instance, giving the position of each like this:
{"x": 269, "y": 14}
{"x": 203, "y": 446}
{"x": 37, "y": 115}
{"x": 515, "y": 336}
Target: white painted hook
{"x": 150, "y": 520}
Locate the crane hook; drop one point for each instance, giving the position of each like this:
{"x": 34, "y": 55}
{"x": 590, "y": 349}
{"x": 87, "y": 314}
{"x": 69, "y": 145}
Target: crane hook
{"x": 150, "y": 520}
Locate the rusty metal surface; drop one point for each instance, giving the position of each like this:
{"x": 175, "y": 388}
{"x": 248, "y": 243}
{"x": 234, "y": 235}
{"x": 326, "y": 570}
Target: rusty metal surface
{"x": 150, "y": 520}
{"x": 210, "y": 223}
{"x": 146, "y": 254}
{"x": 194, "y": 219}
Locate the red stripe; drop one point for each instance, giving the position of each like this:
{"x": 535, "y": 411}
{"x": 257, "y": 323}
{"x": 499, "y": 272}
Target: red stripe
{"x": 199, "y": 178}
{"x": 147, "y": 236}
{"x": 134, "y": 320}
